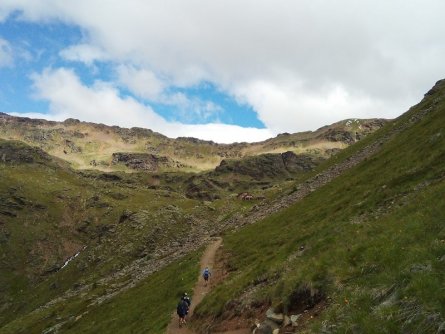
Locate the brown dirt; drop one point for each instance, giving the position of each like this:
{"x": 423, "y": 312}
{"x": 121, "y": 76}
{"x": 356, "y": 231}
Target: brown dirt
{"x": 200, "y": 290}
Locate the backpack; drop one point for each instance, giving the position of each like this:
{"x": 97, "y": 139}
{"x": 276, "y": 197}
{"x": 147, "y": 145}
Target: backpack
{"x": 187, "y": 300}
{"x": 206, "y": 273}
{"x": 182, "y": 307}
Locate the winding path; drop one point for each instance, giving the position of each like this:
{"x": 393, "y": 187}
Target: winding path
{"x": 199, "y": 292}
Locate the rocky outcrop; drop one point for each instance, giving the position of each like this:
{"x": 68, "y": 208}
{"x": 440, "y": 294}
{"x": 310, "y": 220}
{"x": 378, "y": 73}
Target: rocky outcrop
{"x": 436, "y": 88}
{"x": 145, "y": 161}
{"x": 339, "y": 136}
{"x": 15, "y": 152}
{"x": 351, "y": 130}
{"x": 71, "y": 147}
{"x": 269, "y": 165}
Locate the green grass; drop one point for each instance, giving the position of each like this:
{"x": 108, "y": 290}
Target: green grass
{"x": 62, "y": 212}
{"x": 145, "y": 308}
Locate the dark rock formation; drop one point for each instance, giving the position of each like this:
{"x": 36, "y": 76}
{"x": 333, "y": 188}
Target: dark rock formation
{"x": 435, "y": 88}
{"x": 145, "y": 161}
{"x": 269, "y": 165}
{"x": 14, "y": 152}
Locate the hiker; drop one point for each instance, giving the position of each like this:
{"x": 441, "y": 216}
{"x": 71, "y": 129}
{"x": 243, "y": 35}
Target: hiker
{"x": 188, "y": 301}
{"x": 206, "y": 274}
{"x": 182, "y": 309}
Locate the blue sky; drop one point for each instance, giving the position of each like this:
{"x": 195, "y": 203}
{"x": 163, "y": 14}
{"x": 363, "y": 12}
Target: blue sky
{"x": 37, "y": 46}
{"x": 221, "y": 70}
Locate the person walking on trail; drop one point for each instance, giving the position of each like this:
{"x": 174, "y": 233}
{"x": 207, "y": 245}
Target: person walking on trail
{"x": 206, "y": 275}
{"x": 185, "y": 297}
{"x": 182, "y": 309}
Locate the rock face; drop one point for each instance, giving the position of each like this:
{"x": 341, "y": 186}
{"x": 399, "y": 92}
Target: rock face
{"x": 145, "y": 161}
{"x": 14, "y": 152}
{"x": 269, "y": 165}
{"x": 277, "y": 318}
{"x": 352, "y": 131}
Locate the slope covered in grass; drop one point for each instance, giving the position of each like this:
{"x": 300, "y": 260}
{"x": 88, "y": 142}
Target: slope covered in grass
{"x": 70, "y": 240}
{"x": 120, "y": 228}
{"x": 145, "y": 308}
{"x": 368, "y": 248}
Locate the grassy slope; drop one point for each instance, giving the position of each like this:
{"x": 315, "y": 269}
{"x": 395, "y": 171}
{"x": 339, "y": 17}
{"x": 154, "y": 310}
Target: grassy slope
{"x": 374, "y": 240}
{"x": 56, "y": 202}
{"x": 146, "y": 308}
{"x": 59, "y": 212}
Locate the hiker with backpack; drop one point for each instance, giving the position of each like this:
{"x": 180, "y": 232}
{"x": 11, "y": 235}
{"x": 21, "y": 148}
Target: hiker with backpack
{"x": 182, "y": 310}
{"x": 206, "y": 275}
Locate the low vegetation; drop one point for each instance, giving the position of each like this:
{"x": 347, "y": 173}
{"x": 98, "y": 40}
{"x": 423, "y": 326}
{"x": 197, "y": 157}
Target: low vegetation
{"x": 369, "y": 246}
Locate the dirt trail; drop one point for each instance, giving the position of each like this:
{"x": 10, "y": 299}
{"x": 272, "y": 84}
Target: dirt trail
{"x": 200, "y": 290}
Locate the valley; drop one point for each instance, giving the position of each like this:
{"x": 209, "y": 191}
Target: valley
{"x": 102, "y": 228}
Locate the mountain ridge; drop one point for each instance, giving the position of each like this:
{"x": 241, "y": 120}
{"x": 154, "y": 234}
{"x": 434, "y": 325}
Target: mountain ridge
{"x": 91, "y": 146}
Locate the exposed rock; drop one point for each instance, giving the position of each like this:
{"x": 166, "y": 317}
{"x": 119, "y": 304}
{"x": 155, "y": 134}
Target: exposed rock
{"x": 300, "y": 162}
{"x": 336, "y": 135}
{"x": 145, "y": 161}
{"x": 286, "y": 321}
{"x": 269, "y": 165}
{"x": 266, "y": 327}
{"x": 435, "y": 88}
{"x": 71, "y": 121}
{"x": 294, "y": 319}
{"x": 277, "y": 318}
{"x": 14, "y": 152}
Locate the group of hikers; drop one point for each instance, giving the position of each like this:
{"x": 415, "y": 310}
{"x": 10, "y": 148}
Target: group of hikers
{"x": 184, "y": 304}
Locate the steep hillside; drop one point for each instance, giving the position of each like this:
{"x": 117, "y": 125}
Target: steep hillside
{"x": 111, "y": 148}
{"x": 70, "y": 240}
{"x": 362, "y": 254}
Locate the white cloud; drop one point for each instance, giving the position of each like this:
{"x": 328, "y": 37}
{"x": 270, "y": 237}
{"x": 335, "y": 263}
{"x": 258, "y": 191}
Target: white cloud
{"x": 220, "y": 133}
{"x": 300, "y": 64}
{"x": 142, "y": 82}
{"x": 6, "y": 57}
{"x": 147, "y": 85}
{"x": 85, "y": 53}
{"x": 191, "y": 109}
{"x": 101, "y": 103}
{"x": 299, "y": 107}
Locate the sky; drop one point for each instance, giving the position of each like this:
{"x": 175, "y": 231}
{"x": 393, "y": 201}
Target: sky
{"x": 221, "y": 70}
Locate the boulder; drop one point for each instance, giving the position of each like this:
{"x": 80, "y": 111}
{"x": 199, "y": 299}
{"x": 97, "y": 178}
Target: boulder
{"x": 266, "y": 327}
{"x": 294, "y": 319}
{"x": 277, "y": 318}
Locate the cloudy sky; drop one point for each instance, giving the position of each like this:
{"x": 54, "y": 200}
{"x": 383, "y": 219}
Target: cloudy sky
{"x": 224, "y": 70}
